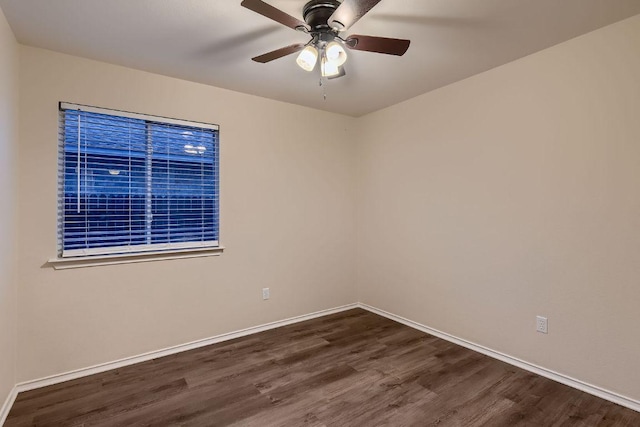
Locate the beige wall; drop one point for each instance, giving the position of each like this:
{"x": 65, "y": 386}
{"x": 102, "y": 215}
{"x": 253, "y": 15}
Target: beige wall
{"x": 287, "y": 221}
{"x": 512, "y": 194}
{"x": 479, "y": 205}
{"x": 8, "y": 142}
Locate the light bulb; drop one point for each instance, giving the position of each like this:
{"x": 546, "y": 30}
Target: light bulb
{"x": 308, "y": 58}
{"x": 335, "y": 53}
{"x": 329, "y": 68}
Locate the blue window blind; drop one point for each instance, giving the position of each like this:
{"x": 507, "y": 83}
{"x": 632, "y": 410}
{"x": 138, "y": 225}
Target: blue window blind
{"x": 134, "y": 183}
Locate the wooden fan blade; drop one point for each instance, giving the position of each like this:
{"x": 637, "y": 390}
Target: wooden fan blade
{"x": 271, "y": 12}
{"x": 378, "y": 44}
{"x": 279, "y": 53}
{"x": 349, "y": 12}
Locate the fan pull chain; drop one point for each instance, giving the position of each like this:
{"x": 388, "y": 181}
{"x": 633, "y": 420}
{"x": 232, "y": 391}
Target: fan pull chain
{"x": 324, "y": 88}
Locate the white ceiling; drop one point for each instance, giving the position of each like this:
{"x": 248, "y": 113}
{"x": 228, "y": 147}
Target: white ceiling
{"x": 212, "y": 41}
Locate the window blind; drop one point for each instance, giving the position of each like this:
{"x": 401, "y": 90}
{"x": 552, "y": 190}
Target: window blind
{"x": 135, "y": 183}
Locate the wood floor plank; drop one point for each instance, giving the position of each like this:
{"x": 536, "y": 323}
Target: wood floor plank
{"x": 348, "y": 369}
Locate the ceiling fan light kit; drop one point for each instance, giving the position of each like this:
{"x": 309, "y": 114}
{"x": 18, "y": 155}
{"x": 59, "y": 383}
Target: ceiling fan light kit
{"x": 332, "y": 57}
{"x": 324, "y": 20}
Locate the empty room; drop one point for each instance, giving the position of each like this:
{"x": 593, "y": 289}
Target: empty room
{"x": 320, "y": 213}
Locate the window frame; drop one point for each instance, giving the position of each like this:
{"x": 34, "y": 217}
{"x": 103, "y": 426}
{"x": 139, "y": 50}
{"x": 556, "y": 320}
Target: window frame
{"x": 133, "y": 253}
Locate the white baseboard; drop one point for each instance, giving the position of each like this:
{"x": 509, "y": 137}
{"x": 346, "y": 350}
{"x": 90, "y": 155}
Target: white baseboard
{"x": 547, "y": 373}
{"x": 8, "y": 403}
{"x": 83, "y": 372}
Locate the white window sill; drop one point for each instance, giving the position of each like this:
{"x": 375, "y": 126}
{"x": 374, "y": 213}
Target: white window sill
{"x": 99, "y": 260}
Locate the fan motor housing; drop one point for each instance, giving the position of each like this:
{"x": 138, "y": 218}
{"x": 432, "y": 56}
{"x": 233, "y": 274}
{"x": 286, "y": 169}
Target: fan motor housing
{"x": 316, "y": 13}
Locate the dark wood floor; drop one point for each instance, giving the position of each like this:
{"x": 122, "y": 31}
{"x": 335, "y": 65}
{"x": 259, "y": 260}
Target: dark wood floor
{"x": 350, "y": 369}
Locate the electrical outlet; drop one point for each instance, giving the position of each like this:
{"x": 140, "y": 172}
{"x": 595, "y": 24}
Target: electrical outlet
{"x": 265, "y": 293}
{"x": 541, "y": 324}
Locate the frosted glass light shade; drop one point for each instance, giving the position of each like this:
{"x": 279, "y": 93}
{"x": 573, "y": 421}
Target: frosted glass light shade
{"x": 335, "y": 53}
{"x": 308, "y": 58}
{"x": 329, "y": 68}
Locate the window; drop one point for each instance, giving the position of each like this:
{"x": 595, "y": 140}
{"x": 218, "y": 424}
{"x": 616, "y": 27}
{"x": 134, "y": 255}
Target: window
{"x": 130, "y": 183}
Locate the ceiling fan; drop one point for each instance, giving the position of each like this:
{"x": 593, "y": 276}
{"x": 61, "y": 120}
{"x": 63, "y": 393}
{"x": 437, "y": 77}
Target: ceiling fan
{"x": 324, "y": 20}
